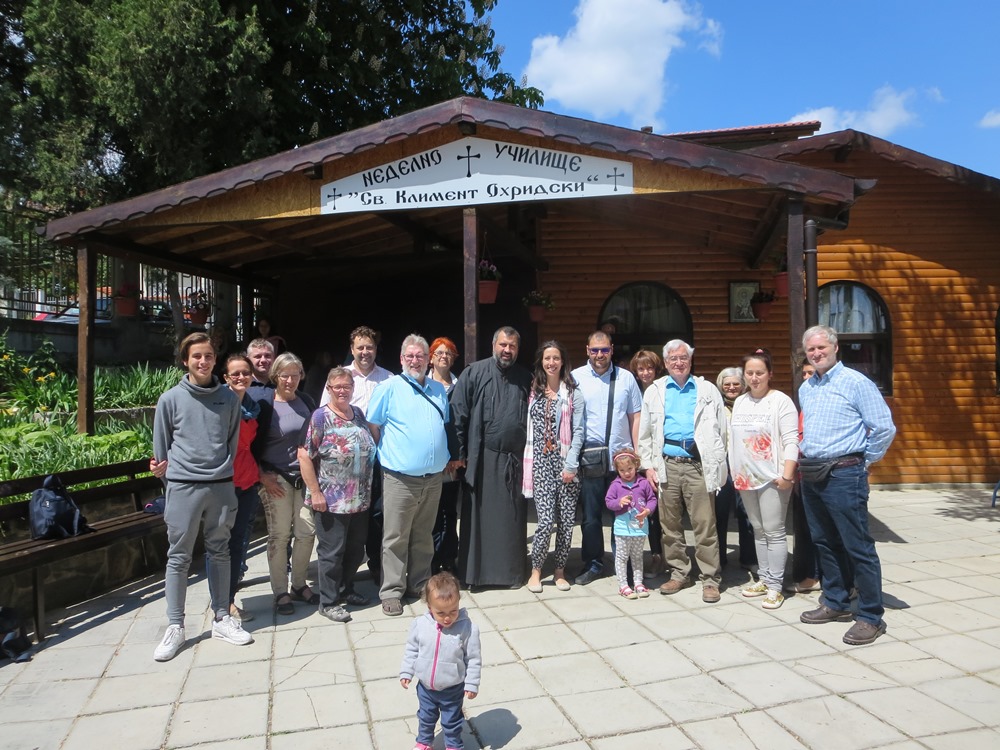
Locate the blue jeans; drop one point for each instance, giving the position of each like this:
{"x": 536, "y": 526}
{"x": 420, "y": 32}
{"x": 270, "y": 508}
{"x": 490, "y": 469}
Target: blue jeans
{"x": 447, "y": 703}
{"x": 239, "y": 538}
{"x": 837, "y": 511}
{"x": 593, "y": 490}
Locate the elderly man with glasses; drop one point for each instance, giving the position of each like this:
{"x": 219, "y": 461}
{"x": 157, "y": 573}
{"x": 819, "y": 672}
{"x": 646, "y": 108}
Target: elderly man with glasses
{"x": 608, "y": 431}
{"x": 682, "y": 444}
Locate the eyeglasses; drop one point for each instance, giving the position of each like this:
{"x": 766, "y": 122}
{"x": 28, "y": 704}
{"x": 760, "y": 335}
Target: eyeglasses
{"x": 235, "y": 375}
{"x": 731, "y": 386}
{"x": 600, "y": 350}
{"x": 414, "y": 357}
{"x": 289, "y": 376}
{"x": 340, "y": 388}
{"x": 444, "y": 353}
{"x": 679, "y": 358}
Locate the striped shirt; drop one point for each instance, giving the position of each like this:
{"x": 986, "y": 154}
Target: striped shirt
{"x": 843, "y": 412}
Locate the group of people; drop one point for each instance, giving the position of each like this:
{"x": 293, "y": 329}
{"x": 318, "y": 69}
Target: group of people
{"x": 381, "y": 466}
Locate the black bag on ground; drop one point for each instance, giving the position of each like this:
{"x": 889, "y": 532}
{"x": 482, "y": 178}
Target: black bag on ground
{"x": 14, "y": 642}
{"x": 52, "y": 512}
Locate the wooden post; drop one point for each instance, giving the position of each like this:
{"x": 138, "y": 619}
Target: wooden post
{"x": 86, "y": 279}
{"x": 796, "y": 293}
{"x": 470, "y": 281}
{"x": 247, "y": 313}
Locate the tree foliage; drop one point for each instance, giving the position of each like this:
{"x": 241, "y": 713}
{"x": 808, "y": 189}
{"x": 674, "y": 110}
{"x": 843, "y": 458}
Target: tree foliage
{"x": 111, "y": 98}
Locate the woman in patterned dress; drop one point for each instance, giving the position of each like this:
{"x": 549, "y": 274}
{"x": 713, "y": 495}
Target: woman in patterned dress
{"x": 552, "y": 458}
{"x": 336, "y": 459}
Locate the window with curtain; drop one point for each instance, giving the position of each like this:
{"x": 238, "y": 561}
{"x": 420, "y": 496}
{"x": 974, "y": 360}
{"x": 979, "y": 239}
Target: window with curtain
{"x": 861, "y": 319}
{"x": 645, "y": 315}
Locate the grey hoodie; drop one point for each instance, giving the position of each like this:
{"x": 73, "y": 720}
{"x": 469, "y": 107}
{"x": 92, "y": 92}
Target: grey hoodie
{"x": 441, "y": 657}
{"x": 196, "y": 430}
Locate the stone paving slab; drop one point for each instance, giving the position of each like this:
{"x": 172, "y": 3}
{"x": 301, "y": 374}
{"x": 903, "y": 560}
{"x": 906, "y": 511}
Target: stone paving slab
{"x": 578, "y": 670}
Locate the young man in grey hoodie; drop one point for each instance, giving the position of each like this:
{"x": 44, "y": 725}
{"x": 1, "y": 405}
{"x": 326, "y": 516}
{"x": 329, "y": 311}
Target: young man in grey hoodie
{"x": 195, "y": 434}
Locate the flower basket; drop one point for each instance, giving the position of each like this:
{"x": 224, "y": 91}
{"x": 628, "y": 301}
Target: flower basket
{"x": 126, "y": 307}
{"x": 488, "y": 291}
{"x": 199, "y": 317}
{"x": 781, "y": 284}
{"x": 536, "y": 313}
{"x": 198, "y": 307}
{"x": 537, "y": 303}
{"x": 761, "y": 309}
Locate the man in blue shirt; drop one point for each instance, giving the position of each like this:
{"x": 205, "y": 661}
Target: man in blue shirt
{"x": 847, "y": 424}
{"x": 682, "y": 444}
{"x": 594, "y": 380}
{"x": 407, "y": 414}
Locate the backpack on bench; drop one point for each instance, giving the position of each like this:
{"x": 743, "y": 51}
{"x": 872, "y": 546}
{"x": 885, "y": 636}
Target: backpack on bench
{"x": 52, "y": 512}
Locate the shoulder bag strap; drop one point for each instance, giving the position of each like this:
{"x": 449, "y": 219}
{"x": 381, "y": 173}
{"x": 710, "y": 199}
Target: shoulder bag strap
{"x": 611, "y": 405}
{"x": 419, "y": 391}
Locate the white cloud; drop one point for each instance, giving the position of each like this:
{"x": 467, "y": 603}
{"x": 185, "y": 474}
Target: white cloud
{"x": 887, "y": 112}
{"x": 613, "y": 60}
{"x": 991, "y": 119}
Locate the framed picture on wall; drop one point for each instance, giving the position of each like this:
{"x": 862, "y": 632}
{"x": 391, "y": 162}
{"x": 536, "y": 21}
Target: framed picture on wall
{"x": 740, "y": 294}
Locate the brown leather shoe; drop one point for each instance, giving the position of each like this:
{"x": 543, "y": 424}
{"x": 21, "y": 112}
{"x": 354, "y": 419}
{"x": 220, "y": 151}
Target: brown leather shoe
{"x": 823, "y": 614}
{"x": 710, "y": 593}
{"x": 674, "y": 585}
{"x": 862, "y": 633}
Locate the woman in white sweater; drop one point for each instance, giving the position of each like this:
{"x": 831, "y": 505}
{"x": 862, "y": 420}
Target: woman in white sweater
{"x": 763, "y": 453}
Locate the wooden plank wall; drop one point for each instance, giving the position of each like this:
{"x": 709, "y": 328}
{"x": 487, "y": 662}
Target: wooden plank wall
{"x": 589, "y": 261}
{"x": 930, "y": 247}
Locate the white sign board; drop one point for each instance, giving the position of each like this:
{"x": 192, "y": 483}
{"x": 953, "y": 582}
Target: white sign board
{"x": 474, "y": 171}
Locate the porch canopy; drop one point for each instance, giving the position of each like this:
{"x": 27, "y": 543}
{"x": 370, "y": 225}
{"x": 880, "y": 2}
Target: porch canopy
{"x": 395, "y": 217}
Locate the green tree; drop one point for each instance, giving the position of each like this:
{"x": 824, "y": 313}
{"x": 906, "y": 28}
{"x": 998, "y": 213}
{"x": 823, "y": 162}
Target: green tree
{"x": 118, "y": 97}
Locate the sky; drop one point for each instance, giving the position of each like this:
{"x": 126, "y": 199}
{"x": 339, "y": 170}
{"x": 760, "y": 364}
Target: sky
{"x": 923, "y": 74}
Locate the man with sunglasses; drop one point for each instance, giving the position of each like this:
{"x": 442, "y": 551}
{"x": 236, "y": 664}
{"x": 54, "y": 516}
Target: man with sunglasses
{"x": 612, "y": 433}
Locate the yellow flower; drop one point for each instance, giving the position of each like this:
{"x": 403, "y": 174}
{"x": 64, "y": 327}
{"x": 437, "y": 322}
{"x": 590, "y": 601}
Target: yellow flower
{"x": 40, "y": 379}
{"x": 6, "y": 357}
{"x": 25, "y": 370}
{"x": 52, "y": 374}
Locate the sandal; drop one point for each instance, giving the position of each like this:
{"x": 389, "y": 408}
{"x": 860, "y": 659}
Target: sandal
{"x": 300, "y": 595}
{"x": 392, "y": 607}
{"x": 355, "y": 599}
{"x": 283, "y": 604}
{"x": 628, "y": 593}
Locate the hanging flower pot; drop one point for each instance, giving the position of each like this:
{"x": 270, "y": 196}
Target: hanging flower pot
{"x": 781, "y": 284}
{"x": 199, "y": 317}
{"x": 488, "y": 291}
{"x": 127, "y": 307}
{"x": 536, "y": 313}
{"x": 761, "y": 310}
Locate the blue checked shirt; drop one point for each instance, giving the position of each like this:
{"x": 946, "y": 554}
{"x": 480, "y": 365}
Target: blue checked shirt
{"x": 843, "y": 412}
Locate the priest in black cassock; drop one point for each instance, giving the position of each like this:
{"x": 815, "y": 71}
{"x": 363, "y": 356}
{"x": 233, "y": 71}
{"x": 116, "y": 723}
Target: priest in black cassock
{"x": 489, "y": 406}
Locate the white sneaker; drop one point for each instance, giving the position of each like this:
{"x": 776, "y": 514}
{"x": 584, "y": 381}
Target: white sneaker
{"x": 231, "y": 631}
{"x": 172, "y": 641}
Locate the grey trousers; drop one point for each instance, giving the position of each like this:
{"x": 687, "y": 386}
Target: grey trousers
{"x": 189, "y": 504}
{"x": 410, "y": 507}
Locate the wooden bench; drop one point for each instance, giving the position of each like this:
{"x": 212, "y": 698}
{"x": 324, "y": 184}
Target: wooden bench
{"x": 26, "y": 554}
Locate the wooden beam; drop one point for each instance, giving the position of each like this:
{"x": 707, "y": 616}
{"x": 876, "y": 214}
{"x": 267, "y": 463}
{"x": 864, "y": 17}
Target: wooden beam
{"x": 504, "y": 242}
{"x": 86, "y": 279}
{"x": 470, "y": 282}
{"x": 422, "y": 236}
{"x": 773, "y": 225}
{"x": 129, "y": 251}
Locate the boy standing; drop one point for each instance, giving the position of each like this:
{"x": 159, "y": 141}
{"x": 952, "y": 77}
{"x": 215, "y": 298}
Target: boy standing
{"x": 195, "y": 435}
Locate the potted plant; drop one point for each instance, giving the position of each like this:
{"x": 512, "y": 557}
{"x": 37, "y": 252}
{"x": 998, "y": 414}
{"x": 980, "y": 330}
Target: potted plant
{"x": 537, "y": 303}
{"x": 198, "y": 307}
{"x": 761, "y": 303}
{"x": 781, "y": 283}
{"x": 489, "y": 282}
{"x": 126, "y": 299}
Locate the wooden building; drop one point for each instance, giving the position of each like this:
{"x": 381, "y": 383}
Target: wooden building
{"x": 386, "y": 226}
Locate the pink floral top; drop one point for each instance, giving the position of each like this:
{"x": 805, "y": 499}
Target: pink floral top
{"x": 764, "y": 433}
{"x": 343, "y": 453}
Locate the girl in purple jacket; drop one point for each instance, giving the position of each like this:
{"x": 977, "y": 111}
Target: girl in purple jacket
{"x": 632, "y": 499}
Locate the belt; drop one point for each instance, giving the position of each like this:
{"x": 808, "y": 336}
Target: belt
{"x": 851, "y": 459}
{"x": 681, "y": 460}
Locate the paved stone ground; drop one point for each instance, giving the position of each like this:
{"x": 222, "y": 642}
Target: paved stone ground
{"x": 578, "y": 669}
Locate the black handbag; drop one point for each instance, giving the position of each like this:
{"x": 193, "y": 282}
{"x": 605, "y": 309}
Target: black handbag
{"x": 52, "y": 513}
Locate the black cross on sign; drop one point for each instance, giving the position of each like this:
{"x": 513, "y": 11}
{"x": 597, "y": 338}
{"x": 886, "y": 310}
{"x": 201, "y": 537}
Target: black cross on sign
{"x": 469, "y": 156}
{"x": 616, "y": 176}
{"x": 332, "y": 198}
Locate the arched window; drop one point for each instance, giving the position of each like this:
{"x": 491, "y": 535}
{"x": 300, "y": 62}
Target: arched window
{"x": 864, "y": 330}
{"x": 996, "y": 331}
{"x": 645, "y": 316}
